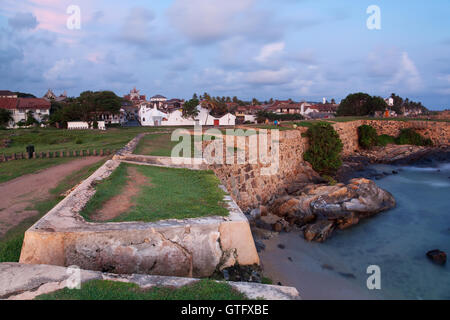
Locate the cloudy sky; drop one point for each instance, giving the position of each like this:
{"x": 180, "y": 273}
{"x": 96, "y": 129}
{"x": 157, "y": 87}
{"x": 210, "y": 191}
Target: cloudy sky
{"x": 299, "y": 49}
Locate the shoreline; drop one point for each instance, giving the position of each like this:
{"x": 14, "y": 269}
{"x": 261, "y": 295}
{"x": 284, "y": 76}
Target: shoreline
{"x": 311, "y": 276}
{"x": 288, "y": 258}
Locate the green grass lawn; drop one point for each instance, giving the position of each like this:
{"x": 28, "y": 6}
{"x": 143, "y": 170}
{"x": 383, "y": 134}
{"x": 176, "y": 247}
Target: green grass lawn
{"x": 11, "y": 242}
{"x": 16, "y": 168}
{"x": 160, "y": 145}
{"x": 170, "y": 194}
{"x": 113, "y": 290}
{"x": 51, "y": 139}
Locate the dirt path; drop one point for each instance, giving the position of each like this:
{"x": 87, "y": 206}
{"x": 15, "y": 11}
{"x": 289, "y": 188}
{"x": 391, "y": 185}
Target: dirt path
{"x": 121, "y": 203}
{"x": 18, "y": 195}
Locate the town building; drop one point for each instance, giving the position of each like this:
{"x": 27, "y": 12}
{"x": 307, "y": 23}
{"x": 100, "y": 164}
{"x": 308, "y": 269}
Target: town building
{"x": 51, "y": 96}
{"x": 20, "y": 108}
{"x": 150, "y": 115}
{"x": 135, "y": 97}
{"x": 7, "y": 94}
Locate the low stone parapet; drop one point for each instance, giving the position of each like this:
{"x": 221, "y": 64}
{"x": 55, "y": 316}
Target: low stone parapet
{"x": 188, "y": 248}
{"x": 26, "y": 281}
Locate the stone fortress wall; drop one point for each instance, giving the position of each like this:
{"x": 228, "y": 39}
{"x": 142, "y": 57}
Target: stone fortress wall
{"x": 249, "y": 188}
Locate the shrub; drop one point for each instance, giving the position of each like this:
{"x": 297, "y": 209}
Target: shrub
{"x": 385, "y": 139}
{"x": 330, "y": 180}
{"x": 79, "y": 141}
{"x": 367, "y": 136}
{"x": 409, "y": 136}
{"x": 325, "y": 148}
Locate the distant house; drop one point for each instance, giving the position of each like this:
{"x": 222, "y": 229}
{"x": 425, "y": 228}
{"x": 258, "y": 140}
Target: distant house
{"x": 20, "y": 107}
{"x": 49, "y": 96}
{"x": 389, "y": 101}
{"x": 150, "y": 115}
{"x": 135, "y": 97}
{"x": 286, "y": 107}
{"x": 7, "y": 94}
{"x": 327, "y": 108}
{"x": 174, "y": 104}
{"x": 247, "y": 113}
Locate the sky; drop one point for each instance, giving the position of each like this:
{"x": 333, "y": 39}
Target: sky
{"x": 298, "y": 49}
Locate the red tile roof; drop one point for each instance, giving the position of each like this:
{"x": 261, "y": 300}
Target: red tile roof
{"x": 331, "y": 108}
{"x": 8, "y": 103}
{"x": 33, "y": 103}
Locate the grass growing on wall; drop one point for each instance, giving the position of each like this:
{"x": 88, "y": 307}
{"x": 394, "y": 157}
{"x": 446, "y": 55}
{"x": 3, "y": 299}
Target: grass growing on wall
{"x": 113, "y": 290}
{"x": 170, "y": 194}
{"x": 11, "y": 242}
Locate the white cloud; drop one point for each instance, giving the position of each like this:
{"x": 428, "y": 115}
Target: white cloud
{"x": 270, "y": 50}
{"x": 270, "y": 77}
{"x": 204, "y": 21}
{"x": 60, "y": 69}
{"x": 407, "y": 73}
{"x": 395, "y": 70}
{"x": 137, "y": 26}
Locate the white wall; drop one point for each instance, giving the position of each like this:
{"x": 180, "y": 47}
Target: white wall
{"x": 227, "y": 120}
{"x": 81, "y": 125}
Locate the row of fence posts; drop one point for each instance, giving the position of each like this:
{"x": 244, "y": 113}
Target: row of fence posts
{"x": 56, "y": 154}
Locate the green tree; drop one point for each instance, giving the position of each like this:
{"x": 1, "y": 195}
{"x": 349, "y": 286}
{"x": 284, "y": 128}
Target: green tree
{"x": 30, "y": 120}
{"x": 5, "y": 117}
{"x": 325, "y": 147}
{"x": 360, "y": 104}
{"x": 190, "y": 108}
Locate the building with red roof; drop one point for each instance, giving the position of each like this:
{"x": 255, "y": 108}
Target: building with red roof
{"x": 20, "y": 107}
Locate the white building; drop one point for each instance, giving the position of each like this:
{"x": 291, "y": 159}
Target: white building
{"x": 389, "y": 101}
{"x": 151, "y": 116}
{"x": 81, "y": 125}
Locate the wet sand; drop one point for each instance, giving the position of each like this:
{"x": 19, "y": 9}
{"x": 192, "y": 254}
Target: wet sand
{"x": 308, "y": 271}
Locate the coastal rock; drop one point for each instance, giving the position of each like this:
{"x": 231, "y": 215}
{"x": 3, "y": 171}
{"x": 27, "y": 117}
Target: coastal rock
{"x": 437, "y": 256}
{"x": 321, "y": 208}
{"x": 319, "y": 231}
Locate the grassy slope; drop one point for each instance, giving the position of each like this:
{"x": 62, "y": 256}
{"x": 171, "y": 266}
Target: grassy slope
{"x": 172, "y": 194}
{"x": 11, "y": 243}
{"x": 109, "y": 290}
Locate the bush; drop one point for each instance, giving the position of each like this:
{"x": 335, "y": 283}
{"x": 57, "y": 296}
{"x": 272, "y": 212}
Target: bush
{"x": 325, "y": 148}
{"x": 409, "y": 136}
{"x": 79, "y": 141}
{"x": 385, "y": 139}
{"x": 368, "y": 137}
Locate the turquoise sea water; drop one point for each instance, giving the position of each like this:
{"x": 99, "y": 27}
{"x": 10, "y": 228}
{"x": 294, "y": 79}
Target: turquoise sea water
{"x": 395, "y": 240}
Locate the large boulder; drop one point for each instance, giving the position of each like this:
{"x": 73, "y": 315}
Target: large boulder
{"x": 319, "y": 231}
{"x": 322, "y": 208}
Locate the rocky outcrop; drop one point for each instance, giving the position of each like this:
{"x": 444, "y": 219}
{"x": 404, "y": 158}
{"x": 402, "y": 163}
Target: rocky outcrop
{"x": 319, "y": 209}
{"x": 437, "y": 256}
